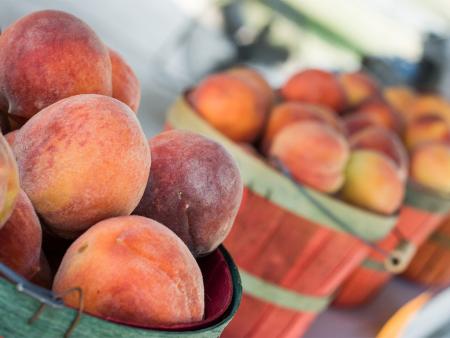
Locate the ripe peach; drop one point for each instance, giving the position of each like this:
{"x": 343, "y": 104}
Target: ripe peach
{"x": 81, "y": 160}
{"x": 21, "y": 238}
{"x": 230, "y": 105}
{"x": 9, "y": 181}
{"x": 355, "y": 123}
{"x": 194, "y": 188}
{"x": 287, "y": 113}
{"x": 429, "y": 105}
{"x": 265, "y": 92}
{"x": 430, "y": 166}
{"x": 125, "y": 84}
{"x": 384, "y": 141}
{"x": 10, "y": 137}
{"x": 314, "y": 154}
{"x": 133, "y": 269}
{"x": 358, "y": 87}
{"x": 373, "y": 181}
{"x": 315, "y": 86}
{"x": 44, "y": 277}
{"x": 47, "y": 56}
{"x": 382, "y": 113}
{"x": 426, "y": 128}
{"x": 400, "y": 98}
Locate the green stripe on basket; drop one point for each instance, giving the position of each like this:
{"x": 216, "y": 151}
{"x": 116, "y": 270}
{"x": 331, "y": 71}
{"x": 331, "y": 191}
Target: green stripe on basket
{"x": 373, "y": 265}
{"x": 425, "y": 199}
{"x": 268, "y": 182}
{"x": 441, "y": 239}
{"x": 282, "y": 297}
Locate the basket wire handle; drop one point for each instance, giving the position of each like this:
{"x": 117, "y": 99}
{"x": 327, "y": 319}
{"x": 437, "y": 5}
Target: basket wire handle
{"x": 44, "y": 296}
{"x": 395, "y": 261}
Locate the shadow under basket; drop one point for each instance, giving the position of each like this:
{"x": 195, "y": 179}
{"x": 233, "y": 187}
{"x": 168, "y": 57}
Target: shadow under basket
{"x": 420, "y": 215}
{"x": 294, "y": 246}
{"x": 431, "y": 265}
{"x": 20, "y": 302}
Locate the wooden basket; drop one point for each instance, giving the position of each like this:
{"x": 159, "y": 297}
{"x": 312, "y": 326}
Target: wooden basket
{"x": 421, "y": 214}
{"x": 19, "y": 303}
{"x": 294, "y": 246}
{"x": 431, "y": 266}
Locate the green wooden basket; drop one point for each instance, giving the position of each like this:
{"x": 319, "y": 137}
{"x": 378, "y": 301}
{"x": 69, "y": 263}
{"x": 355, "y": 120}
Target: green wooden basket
{"x": 18, "y": 306}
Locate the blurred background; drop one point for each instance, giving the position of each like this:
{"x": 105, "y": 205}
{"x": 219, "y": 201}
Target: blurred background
{"x": 172, "y": 44}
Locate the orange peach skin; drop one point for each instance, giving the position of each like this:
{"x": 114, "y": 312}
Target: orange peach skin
{"x": 430, "y": 166}
{"x": 429, "y": 105}
{"x": 384, "y": 114}
{"x": 47, "y": 56}
{"x": 373, "y": 181}
{"x": 358, "y": 87}
{"x": 125, "y": 84}
{"x": 315, "y": 86}
{"x": 135, "y": 270}
{"x": 21, "y": 239}
{"x": 400, "y": 98}
{"x": 287, "y": 113}
{"x": 426, "y": 128}
{"x": 194, "y": 188}
{"x": 313, "y": 153}
{"x": 81, "y": 160}
{"x": 253, "y": 77}
{"x": 230, "y": 105}
{"x": 384, "y": 141}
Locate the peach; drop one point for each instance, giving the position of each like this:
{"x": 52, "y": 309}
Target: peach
{"x": 373, "y": 181}
{"x": 230, "y": 105}
{"x": 21, "y": 239}
{"x": 382, "y": 113}
{"x": 430, "y": 166}
{"x": 400, "y": 98}
{"x": 9, "y": 181}
{"x": 313, "y": 153}
{"x": 429, "y": 105}
{"x": 426, "y": 128}
{"x": 10, "y": 137}
{"x": 287, "y": 113}
{"x": 358, "y": 87}
{"x": 194, "y": 188}
{"x": 135, "y": 270}
{"x": 47, "y": 56}
{"x": 125, "y": 84}
{"x": 44, "y": 277}
{"x": 253, "y": 77}
{"x": 355, "y": 123}
{"x": 315, "y": 86}
{"x": 384, "y": 141}
{"x": 81, "y": 160}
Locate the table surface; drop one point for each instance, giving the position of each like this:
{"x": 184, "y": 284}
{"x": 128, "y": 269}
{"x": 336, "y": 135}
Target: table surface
{"x": 367, "y": 320}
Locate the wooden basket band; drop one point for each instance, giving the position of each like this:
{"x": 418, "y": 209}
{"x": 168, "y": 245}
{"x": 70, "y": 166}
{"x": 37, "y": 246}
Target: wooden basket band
{"x": 425, "y": 199}
{"x": 280, "y": 296}
{"x": 397, "y": 260}
{"x": 268, "y": 182}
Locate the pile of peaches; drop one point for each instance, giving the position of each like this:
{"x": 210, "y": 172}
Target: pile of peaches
{"x": 135, "y": 214}
{"x": 342, "y": 134}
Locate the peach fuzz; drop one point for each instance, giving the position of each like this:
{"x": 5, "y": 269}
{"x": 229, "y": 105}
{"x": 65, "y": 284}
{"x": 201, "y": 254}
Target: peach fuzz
{"x": 426, "y": 128}
{"x": 10, "y": 137}
{"x": 287, "y": 113}
{"x": 383, "y": 141}
{"x": 358, "y": 87}
{"x": 384, "y": 114}
{"x": 194, "y": 188}
{"x": 430, "y": 166}
{"x": 230, "y": 105}
{"x": 47, "y": 56}
{"x": 21, "y": 239}
{"x": 125, "y": 84}
{"x": 373, "y": 181}
{"x": 313, "y": 153}
{"x": 254, "y": 78}
{"x": 134, "y": 270}
{"x": 81, "y": 160}
{"x": 317, "y": 87}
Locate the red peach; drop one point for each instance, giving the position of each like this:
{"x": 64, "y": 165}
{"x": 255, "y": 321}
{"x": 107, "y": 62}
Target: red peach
{"x": 358, "y": 87}
{"x": 384, "y": 114}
